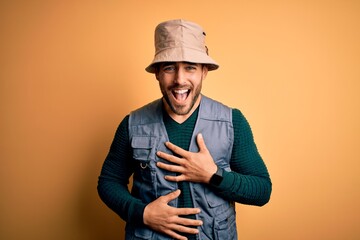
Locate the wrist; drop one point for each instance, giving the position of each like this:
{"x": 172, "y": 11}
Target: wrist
{"x": 217, "y": 177}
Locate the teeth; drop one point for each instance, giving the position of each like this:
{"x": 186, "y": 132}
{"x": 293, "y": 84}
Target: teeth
{"x": 181, "y": 91}
{"x": 180, "y": 94}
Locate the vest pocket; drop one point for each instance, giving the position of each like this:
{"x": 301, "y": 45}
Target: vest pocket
{"x": 222, "y": 214}
{"x": 221, "y": 226}
{"x": 143, "y": 147}
{"x": 145, "y": 174}
{"x": 144, "y": 153}
{"x": 225, "y": 225}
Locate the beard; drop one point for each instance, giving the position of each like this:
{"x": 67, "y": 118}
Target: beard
{"x": 181, "y": 109}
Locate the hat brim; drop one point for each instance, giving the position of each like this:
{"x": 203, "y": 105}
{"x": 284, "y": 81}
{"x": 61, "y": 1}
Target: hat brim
{"x": 182, "y": 55}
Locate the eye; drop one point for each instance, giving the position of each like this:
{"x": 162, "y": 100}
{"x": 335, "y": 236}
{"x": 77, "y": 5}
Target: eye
{"x": 190, "y": 68}
{"x": 169, "y": 68}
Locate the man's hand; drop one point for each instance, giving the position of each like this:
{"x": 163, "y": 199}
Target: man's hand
{"x": 163, "y": 218}
{"x": 193, "y": 167}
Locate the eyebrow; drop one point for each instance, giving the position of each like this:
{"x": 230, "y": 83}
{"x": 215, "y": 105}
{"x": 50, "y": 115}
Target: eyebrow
{"x": 164, "y": 64}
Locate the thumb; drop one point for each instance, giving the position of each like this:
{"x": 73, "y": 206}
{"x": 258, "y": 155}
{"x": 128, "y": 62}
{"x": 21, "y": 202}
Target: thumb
{"x": 201, "y": 142}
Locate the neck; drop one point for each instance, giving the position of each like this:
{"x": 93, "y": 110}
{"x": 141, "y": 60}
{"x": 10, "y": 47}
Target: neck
{"x": 181, "y": 118}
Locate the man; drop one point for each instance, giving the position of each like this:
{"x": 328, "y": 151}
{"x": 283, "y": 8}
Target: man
{"x": 192, "y": 157}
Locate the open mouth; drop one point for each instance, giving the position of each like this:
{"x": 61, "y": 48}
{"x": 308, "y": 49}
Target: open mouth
{"x": 181, "y": 94}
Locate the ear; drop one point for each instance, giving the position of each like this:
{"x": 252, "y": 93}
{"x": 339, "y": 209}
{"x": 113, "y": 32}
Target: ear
{"x": 157, "y": 75}
{"x": 157, "y": 72}
{"x": 204, "y": 71}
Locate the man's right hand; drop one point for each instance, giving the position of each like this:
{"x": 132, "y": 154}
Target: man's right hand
{"x": 161, "y": 217}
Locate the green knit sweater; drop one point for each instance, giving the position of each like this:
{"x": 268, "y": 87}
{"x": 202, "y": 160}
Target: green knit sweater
{"x": 182, "y": 140}
{"x": 248, "y": 182}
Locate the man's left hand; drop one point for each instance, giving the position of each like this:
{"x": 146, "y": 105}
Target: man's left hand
{"x": 193, "y": 167}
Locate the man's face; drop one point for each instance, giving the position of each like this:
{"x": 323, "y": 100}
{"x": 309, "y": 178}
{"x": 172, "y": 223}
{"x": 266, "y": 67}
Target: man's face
{"x": 180, "y": 84}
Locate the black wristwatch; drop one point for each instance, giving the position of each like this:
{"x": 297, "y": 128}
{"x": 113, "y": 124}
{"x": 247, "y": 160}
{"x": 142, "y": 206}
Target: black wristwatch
{"x": 217, "y": 178}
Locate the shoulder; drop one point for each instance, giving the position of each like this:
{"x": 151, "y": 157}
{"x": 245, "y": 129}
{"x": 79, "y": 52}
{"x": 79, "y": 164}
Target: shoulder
{"x": 237, "y": 115}
{"x": 123, "y": 126}
{"x": 147, "y": 113}
{"x": 242, "y": 128}
{"x": 214, "y": 110}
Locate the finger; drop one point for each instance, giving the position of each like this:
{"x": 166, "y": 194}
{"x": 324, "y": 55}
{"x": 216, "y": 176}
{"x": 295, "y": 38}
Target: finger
{"x": 176, "y": 149}
{"x": 174, "y": 235}
{"x": 184, "y": 229}
{"x": 169, "y": 157}
{"x": 171, "y": 168}
{"x": 189, "y": 222}
{"x": 201, "y": 142}
{"x": 171, "y": 196}
{"x": 186, "y": 211}
{"x": 179, "y": 178}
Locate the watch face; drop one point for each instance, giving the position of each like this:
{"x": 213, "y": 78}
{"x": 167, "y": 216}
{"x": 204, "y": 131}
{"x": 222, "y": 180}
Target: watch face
{"x": 216, "y": 180}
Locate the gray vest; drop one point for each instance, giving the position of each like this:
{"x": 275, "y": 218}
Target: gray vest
{"x": 148, "y": 134}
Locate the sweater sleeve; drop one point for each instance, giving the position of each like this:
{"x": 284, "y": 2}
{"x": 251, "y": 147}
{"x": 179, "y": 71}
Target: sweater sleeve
{"x": 249, "y": 181}
{"x": 114, "y": 178}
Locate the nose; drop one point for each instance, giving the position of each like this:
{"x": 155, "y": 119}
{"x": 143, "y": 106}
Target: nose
{"x": 179, "y": 75}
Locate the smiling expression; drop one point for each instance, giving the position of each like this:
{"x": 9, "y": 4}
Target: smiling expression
{"x": 180, "y": 83}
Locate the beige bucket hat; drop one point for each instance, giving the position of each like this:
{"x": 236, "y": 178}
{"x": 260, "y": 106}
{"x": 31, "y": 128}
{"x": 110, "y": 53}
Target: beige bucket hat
{"x": 180, "y": 41}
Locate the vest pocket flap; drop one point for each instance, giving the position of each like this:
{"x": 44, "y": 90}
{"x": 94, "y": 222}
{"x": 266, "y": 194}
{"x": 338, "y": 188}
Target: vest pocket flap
{"x": 142, "y": 147}
{"x": 143, "y": 142}
{"x": 213, "y": 200}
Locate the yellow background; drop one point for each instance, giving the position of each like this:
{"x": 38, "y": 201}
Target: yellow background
{"x": 70, "y": 71}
